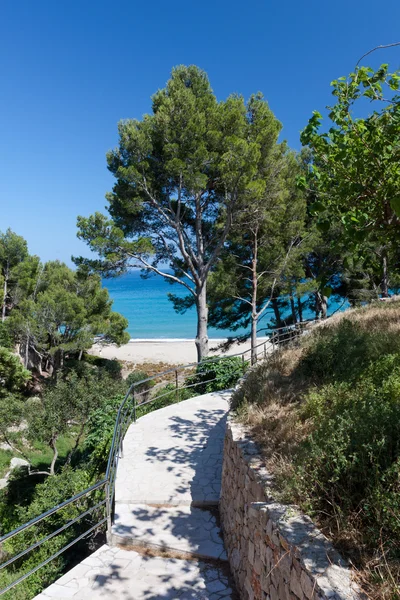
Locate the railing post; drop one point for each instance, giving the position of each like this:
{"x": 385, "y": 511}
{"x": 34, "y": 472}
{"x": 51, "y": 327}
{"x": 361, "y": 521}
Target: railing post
{"x": 108, "y": 511}
{"x": 243, "y": 364}
{"x": 134, "y": 405}
{"x": 176, "y": 386}
{"x": 265, "y": 350}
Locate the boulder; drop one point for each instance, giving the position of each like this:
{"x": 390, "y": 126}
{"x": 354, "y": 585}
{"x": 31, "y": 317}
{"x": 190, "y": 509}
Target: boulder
{"x": 16, "y": 463}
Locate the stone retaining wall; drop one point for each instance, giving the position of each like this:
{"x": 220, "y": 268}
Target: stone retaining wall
{"x": 275, "y": 552}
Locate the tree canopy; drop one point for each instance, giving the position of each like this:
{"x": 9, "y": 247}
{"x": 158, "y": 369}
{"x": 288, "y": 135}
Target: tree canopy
{"x": 181, "y": 173}
{"x": 355, "y": 171}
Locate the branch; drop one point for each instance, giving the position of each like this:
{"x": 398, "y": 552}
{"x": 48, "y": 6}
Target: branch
{"x": 381, "y": 47}
{"x": 167, "y": 275}
{"x": 223, "y": 237}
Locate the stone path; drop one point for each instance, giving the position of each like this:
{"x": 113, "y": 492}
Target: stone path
{"x": 166, "y": 542}
{"x": 114, "y": 573}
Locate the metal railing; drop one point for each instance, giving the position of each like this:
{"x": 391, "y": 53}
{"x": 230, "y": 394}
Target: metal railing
{"x": 140, "y": 395}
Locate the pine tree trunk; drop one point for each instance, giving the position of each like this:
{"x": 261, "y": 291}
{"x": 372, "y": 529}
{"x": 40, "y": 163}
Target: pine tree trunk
{"x": 293, "y": 308}
{"x": 26, "y": 359}
{"x": 300, "y": 309}
{"x": 3, "y": 310}
{"x": 254, "y": 315}
{"x": 385, "y": 277}
{"x": 275, "y": 307}
{"x": 324, "y": 307}
{"x": 254, "y": 324}
{"x": 202, "y": 321}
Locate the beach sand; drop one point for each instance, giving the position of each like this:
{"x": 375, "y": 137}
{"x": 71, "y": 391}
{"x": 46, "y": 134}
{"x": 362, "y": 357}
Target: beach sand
{"x": 174, "y": 352}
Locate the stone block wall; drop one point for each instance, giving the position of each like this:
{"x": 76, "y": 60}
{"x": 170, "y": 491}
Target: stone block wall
{"x": 275, "y": 552}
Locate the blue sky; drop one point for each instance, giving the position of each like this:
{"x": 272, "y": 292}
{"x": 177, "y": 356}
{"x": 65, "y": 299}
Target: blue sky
{"x": 71, "y": 70}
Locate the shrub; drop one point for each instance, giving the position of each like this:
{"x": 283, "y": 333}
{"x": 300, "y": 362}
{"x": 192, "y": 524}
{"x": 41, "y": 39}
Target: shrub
{"x": 46, "y": 495}
{"x": 341, "y": 353}
{"x": 112, "y": 367}
{"x": 5, "y": 337}
{"x": 350, "y": 461}
{"x": 215, "y": 375}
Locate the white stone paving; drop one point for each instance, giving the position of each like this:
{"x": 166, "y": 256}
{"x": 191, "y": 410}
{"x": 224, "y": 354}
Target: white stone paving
{"x": 181, "y": 528}
{"x": 114, "y": 573}
{"x": 174, "y": 455}
{"x": 171, "y": 467}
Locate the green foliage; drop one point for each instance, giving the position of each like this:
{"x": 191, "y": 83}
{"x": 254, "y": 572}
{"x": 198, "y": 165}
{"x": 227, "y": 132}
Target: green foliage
{"x": 262, "y": 254}
{"x": 214, "y": 375}
{"x": 328, "y": 415}
{"x": 75, "y": 397}
{"x": 136, "y": 377}
{"x": 13, "y": 250}
{"x": 99, "y": 433}
{"x": 354, "y": 175}
{"x": 59, "y": 311}
{"x": 111, "y": 367}
{"x": 13, "y": 376}
{"x": 46, "y": 495}
{"x": 351, "y": 459}
{"x": 5, "y": 337}
{"x": 182, "y": 173}
{"x": 341, "y": 353}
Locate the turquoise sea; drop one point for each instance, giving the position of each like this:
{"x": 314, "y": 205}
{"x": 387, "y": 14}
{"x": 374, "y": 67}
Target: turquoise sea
{"x": 144, "y": 302}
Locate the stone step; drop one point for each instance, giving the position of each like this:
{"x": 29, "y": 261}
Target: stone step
{"x": 186, "y": 529}
{"x": 118, "y": 574}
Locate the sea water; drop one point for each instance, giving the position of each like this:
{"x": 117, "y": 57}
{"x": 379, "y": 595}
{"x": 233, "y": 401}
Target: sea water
{"x": 145, "y": 303}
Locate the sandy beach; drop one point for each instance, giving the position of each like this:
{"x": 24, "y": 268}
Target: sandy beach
{"x": 175, "y": 352}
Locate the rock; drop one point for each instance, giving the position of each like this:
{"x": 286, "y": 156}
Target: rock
{"x": 3, "y": 483}
{"x": 17, "y": 463}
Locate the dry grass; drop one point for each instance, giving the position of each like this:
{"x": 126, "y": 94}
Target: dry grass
{"x": 374, "y": 317}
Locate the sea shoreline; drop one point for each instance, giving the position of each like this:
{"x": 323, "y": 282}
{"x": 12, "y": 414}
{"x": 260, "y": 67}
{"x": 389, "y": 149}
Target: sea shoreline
{"x": 174, "y": 351}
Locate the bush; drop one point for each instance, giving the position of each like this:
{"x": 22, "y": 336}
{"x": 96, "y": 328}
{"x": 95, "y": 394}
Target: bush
{"x": 350, "y": 462}
{"x": 5, "y": 337}
{"x": 215, "y": 375}
{"x": 342, "y": 352}
{"x": 46, "y": 495}
{"x": 112, "y": 367}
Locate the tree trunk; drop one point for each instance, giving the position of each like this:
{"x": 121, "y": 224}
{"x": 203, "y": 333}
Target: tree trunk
{"x": 77, "y": 441}
{"x": 254, "y": 324}
{"x": 254, "y": 314}
{"x": 321, "y": 309}
{"x": 26, "y": 359}
{"x": 300, "y": 309}
{"x": 3, "y": 309}
{"x": 58, "y": 361}
{"x": 293, "y": 308}
{"x": 385, "y": 277}
{"x": 55, "y": 456}
{"x": 324, "y": 307}
{"x": 202, "y": 321}
{"x": 275, "y": 306}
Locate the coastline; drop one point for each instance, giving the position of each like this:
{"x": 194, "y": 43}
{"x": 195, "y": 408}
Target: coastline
{"x": 174, "y": 351}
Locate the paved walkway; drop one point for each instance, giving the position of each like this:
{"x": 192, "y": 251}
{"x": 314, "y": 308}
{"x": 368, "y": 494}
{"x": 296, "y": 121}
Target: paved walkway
{"x": 167, "y": 492}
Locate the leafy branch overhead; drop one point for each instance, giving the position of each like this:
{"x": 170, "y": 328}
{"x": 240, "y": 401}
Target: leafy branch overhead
{"x": 354, "y": 176}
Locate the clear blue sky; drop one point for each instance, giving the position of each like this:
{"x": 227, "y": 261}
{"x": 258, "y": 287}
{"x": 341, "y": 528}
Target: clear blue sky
{"x": 71, "y": 70}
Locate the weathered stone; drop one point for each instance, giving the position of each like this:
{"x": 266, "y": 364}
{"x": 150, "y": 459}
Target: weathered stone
{"x": 274, "y": 593}
{"x": 307, "y": 585}
{"x": 295, "y": 585}
{"x": 251, "y": 553}
{"x": 16, "y": 463}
